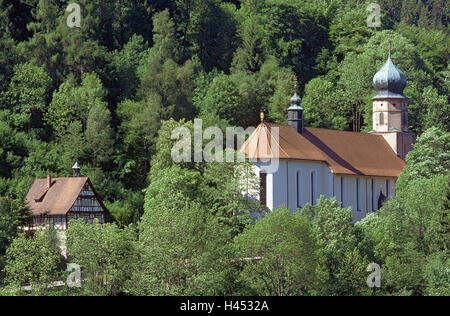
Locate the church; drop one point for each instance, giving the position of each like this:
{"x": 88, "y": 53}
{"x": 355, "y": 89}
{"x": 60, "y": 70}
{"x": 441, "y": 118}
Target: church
{"x": 358, "y": 169}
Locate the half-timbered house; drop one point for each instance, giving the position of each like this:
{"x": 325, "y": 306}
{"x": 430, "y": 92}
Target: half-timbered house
{"x": 56, "y": 201}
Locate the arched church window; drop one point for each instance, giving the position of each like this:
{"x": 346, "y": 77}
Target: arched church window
{"x": 299, "y": 189}
{"x": 357, "y": 195}
{"x": 262, "y": 187}
{"x": 381, "y": 119}
{"x": 372, "y": 189}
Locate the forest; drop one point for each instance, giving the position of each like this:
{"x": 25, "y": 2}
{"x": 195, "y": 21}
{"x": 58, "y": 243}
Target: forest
{"x": 109, "y": 93}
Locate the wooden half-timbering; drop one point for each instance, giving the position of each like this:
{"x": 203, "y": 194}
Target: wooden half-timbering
{"x": 87, "y": 206}
{"x": 59, "y": 222}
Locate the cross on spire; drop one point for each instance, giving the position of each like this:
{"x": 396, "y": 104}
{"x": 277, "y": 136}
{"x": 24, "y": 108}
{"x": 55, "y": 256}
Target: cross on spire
{"x": 295, "y": 83}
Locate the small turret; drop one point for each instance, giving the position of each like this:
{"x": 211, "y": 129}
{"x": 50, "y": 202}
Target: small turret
{"x": 295, "y": 112}
{"x": 76, "y": 170}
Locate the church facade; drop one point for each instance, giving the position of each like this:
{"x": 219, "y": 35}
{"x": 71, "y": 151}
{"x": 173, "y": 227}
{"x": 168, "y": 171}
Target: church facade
{"x": 358, "y": 169}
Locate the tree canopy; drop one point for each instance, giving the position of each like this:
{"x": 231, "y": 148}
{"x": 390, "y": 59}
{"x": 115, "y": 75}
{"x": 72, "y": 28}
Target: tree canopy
{"x": 110, "y": 92}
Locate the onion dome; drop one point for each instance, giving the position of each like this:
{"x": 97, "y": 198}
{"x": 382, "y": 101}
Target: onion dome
{"x": 295, "y": 102}
{"x": 389, "y": 81}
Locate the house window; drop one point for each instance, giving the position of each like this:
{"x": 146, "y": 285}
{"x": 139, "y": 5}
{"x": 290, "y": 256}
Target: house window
{"x": 313, "y": 184}
{"x": 357, "y": 195}
{"x": 262, "y": 187}
{"x": 381, "y": 119}
{"x": 299, "y": 189}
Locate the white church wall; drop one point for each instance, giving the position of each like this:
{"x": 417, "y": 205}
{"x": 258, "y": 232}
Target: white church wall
{"x": 282, "y": 187}
{"x": 367, "y": 201}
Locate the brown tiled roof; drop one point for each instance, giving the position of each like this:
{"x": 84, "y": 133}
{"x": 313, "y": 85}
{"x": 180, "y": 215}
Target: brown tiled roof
{"x": 56, "y": 200}
{"x": 344, "y": 152}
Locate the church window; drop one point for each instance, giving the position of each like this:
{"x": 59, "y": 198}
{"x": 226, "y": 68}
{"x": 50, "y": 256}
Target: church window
{"x": 313, "y": 184}
{"x": 372, "y": 188}
{"x": 381, "y": 119}
{"x": 357, "y": 195}
{"x": 342, "y": 191}
{"x": 387, "y": 188}
{"x": 299, "y": 189}
{"x": 263, "y": 187}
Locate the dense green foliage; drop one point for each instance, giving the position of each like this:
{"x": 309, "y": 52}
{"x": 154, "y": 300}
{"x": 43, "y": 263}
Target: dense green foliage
{"x": 35, "y": 261}
{"x": 279, "y": 254}
{"x": 106, "y": 254}
{"x": 110, "y": 92}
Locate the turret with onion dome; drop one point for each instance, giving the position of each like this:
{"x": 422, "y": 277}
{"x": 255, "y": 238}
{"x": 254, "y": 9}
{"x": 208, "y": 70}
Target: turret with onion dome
{"x": 390, "y": 107}
{"x": 295, "y": 112}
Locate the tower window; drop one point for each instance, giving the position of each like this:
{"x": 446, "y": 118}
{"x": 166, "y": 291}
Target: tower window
{"x": 381, "y": 119}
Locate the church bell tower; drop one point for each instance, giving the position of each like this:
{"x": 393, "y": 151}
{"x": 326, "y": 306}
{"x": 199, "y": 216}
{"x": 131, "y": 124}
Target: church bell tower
{"x": 390, "y": 108}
